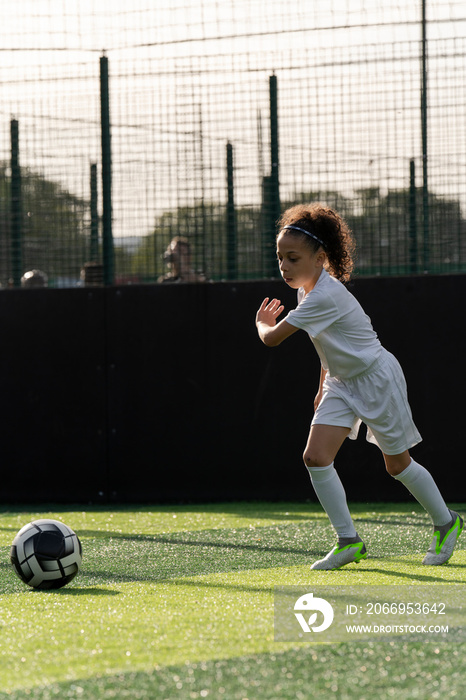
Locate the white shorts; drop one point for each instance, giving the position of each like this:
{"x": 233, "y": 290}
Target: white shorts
{"x": 379, "y": 398}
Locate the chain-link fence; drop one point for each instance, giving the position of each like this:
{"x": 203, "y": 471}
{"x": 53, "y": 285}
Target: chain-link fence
{"x": 214, "y": 118}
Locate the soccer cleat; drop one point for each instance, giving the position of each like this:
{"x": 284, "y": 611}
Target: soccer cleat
{"x": 445, "y": 537}
{"x": 340, "y": 556}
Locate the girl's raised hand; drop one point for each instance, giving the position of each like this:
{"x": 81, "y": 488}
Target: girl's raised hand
{"x": 268, "y": 312}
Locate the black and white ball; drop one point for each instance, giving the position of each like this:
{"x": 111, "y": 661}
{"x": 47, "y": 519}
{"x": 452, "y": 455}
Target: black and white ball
{"x": 46, "y": 554}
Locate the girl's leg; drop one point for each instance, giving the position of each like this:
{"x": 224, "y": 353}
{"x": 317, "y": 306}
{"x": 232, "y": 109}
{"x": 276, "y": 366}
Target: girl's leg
{"x": 321, "y": 449}
{"x": 419, "y": 482}
{"x": 323, "y": 444}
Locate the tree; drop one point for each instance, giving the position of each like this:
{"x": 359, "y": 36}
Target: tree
{"x": 389, "y": 233}
{"x": 204, "y": 225}
{"x": 387, "y": 228}
{"x": 54, "y": 225}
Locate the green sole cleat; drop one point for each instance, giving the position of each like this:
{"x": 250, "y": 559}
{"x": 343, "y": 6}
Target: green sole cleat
{"x": 444, "y": 541}
{"x": 340, "y": 556}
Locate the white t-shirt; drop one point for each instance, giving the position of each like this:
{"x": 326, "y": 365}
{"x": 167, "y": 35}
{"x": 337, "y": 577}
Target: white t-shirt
{"x": 337, "y": 325}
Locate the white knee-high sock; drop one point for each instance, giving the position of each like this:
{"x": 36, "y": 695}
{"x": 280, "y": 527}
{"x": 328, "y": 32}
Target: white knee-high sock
{"x": 424, "y": 489}
{"x": 332, "y": 497}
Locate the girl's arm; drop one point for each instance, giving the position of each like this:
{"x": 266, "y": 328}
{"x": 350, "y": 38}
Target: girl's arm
{"x": 270, "y": 332}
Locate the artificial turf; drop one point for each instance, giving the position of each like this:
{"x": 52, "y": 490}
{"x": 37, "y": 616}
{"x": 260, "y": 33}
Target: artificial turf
{"x": 177, "y": 602}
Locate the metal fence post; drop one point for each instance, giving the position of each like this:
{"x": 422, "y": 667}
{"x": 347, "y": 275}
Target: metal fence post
{"x": 107, "y": 233}
{"x": 274, "y": 156}
{"x": 425, "y": 186}
{"x": 271, "y": 187}
{"x": 15, "y": 207}
{"x": 94, "y": 243}
{"x": 231, "y": 218}
{"x": 412, "y": 218}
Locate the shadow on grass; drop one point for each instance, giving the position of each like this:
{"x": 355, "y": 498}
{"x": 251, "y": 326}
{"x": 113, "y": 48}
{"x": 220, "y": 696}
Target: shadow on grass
{"x": 166, "y": 556}
{"x": 161, "y": 557}
{"x": 76, "y": 591}
{"x": 173, "y": 540}
{"x": 303, "y": 671}
{"x": 247, "y": 509}
{"x": 116, "y": 557}
{"x": 387, "y": 571}
{"x": 276, "y": 510}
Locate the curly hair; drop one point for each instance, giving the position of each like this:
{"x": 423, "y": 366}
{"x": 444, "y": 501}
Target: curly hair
{"x": 330, "y": 228}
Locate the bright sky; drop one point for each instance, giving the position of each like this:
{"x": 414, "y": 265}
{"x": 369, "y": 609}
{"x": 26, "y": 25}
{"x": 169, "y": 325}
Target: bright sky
{"x": 188, "y": 75}
{"x": 111, "y": 24}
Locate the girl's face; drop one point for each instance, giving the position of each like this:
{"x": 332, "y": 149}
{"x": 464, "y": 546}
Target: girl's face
{"x": 299, "y": 265}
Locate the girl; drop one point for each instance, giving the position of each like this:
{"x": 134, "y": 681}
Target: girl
{"x": 359, "y": 380}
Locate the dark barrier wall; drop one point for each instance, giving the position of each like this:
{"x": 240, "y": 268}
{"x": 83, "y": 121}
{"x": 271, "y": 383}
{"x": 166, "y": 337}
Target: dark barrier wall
{"x": 52, "y": 389}
{"x": 164, "y": 393}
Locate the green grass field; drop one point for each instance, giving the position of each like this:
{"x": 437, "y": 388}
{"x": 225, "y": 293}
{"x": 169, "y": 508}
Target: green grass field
{"x": 177, "y": 602}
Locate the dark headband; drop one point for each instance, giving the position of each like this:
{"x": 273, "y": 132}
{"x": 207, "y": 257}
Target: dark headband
{"x": 308, "y": 233}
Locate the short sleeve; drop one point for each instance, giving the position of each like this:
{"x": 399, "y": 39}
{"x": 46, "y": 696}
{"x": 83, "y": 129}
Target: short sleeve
{"x": 314, "y": 313}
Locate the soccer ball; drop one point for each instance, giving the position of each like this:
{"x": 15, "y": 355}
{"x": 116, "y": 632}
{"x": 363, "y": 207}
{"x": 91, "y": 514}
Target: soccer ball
{"x": 46, "y": 554}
